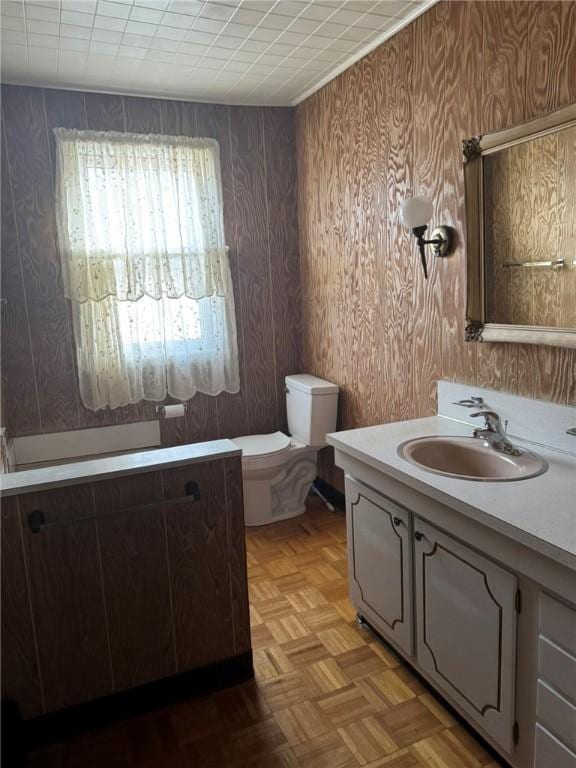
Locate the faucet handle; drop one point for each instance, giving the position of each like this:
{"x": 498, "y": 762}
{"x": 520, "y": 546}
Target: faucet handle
{"x": 491, "y": 419}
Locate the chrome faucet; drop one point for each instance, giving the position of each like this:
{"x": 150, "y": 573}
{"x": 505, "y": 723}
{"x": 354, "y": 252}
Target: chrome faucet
{"x": 494, "y": 434}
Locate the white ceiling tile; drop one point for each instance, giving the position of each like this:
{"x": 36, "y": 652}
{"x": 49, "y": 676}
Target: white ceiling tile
{"x": 118, "y": 10}
{"x": 170, "y": 33}
{"x": 10, "y": 37}
{"x": 159, "y": 5}
{"x": 209, "y": 25}
{"x": 110, "y": 23}
{"x": 45, "y": 13}
{"x": 371, "y": 21}
{"x": 10, "y": 8}
{"x": 13, "y": 23}
{"x": 260, "y": 33}
{"x": 42, "y": 27}
{"x": 347, "y": 17}
{"x": 83, "y": 6}
{"x": 149, "y": 15}
{"x": 180, "y": 20}
{"x": 255, "y": 51}
{"x": 73, "y": 44}
{"x": 217, "y": 11}
{"x": 140, "y": 41}
{"x": 318, "y": 11}
{"x": 39, "y": 41}
{"x": 109, "y": 49}
{"x": 77, "y": 19}
{"x": 141, "y": 28}
{"x": 192, "y": 7}
{"x": 292, "y": 38}
{"x": 252, "y": 18}
{"x": 276, "y": 21}
{"x": 306, "y": 26}
{"x": 131, "y": 52}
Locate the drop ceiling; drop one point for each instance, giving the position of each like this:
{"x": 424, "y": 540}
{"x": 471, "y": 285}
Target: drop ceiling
{"x": 273, "y": 52}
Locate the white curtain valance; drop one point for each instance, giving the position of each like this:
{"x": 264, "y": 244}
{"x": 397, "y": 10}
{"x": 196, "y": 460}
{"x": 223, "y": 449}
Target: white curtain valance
{"x": 139, "y": 216}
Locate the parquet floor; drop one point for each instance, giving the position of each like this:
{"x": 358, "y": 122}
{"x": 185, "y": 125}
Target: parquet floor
{"x": 327, "y": 693}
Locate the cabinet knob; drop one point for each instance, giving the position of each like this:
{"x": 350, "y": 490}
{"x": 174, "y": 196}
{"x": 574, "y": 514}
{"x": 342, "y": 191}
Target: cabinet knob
{"x": 418, "y": 536}
{"x": 191, "y": 489}
{"x": 397, "y": 521}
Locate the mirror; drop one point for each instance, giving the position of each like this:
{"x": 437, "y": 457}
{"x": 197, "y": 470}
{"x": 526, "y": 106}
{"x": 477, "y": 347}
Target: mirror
{"x": 521, "y": 232}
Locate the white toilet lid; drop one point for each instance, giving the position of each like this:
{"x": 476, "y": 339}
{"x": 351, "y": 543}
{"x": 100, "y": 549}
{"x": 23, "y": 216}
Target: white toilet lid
{"x": 263, "y": 445}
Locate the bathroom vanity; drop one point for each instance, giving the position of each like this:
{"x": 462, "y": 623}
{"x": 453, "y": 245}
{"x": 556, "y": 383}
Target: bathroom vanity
{"x": 123, "y": 573}
{"x": 474, "y": 582}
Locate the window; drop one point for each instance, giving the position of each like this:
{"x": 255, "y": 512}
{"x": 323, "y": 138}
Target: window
{"x": 145, "y": 266}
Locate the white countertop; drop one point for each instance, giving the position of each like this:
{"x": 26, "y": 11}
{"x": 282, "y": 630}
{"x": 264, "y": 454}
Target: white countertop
{"x": 539, "y": 512}
{"x": 46, "y": 478}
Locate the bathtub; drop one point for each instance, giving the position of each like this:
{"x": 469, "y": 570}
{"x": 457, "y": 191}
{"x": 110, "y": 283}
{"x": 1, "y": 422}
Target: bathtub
{"x": 43, "y": 450}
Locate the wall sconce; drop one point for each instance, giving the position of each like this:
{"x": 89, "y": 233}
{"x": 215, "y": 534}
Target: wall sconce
{"x": 416, "y": 212}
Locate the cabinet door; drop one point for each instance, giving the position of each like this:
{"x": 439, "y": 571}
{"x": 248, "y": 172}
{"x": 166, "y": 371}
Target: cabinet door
{"x": 135, "y": 577}
{"x": 379, "y": 562}
{"x": 466, "y": 629}
{"x": 67, "y": 596}
{"x": 200, "y": 565}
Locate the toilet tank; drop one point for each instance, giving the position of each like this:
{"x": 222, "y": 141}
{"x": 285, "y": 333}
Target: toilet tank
{"x": 311, "y": 404}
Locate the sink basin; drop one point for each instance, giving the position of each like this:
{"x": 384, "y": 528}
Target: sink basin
{"x": 468, "y": 458}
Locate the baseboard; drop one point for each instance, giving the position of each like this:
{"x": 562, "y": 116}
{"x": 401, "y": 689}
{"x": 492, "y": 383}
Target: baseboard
{"x": 67, "y": 723}
{"x": 335, "y": 497}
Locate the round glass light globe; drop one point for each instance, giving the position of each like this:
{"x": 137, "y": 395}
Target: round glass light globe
{"x": 416, "y": 211}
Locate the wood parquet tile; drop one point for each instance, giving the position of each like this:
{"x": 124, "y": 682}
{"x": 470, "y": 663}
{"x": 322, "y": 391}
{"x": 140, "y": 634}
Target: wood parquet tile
{"x": 326, "y": 693}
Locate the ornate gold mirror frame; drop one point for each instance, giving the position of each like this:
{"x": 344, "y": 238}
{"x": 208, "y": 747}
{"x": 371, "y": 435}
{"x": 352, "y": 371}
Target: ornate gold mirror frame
{"x": 474, "y": 149}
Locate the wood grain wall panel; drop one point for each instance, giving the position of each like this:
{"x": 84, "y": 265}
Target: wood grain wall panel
{"x": 280, "y": 153}
{"x": 237, "y": 548}
{"x": 429, "y": 152}
{"x": 256, "y": 266}
{"x": 199, "y": 566}
{"x": 505, "y": 27}
{"x": 136, "y": 580}
{"x": 213, "y": 121}
{"x": 20, "y": 405}
{"x": 551, "y": 52}
{"x": 32, "y": 188}
{"x": 399, "y": 265}
{"x": 71, "y": 624}
{"x": 253, "y": 247}
{"x": 142, "y": 115}
{"x": 436, "y": 92}
{"x": 463, "y": 118}
{"x": 20, "y": 674}
{"x": 105, "y": 112}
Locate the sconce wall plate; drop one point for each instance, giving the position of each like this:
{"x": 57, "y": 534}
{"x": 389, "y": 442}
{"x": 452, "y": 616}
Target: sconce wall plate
{"x": 444, "y": 241}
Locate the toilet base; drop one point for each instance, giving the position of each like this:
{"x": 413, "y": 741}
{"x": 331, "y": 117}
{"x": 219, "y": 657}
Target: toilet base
{"x": 279, "y": 492}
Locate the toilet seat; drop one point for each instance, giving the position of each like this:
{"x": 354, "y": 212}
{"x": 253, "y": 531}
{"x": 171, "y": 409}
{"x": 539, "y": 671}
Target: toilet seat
{"x": 262, "y": 451}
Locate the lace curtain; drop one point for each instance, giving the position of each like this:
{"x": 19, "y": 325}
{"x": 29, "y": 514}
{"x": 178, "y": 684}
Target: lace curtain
{"x": 145, "y": 265}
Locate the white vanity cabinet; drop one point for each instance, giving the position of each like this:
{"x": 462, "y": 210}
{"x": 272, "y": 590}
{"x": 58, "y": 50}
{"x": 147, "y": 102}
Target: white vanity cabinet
{"x": 380, "y": 562}
{"x": 439, "y": 601}
{"x": 466, "y": 628}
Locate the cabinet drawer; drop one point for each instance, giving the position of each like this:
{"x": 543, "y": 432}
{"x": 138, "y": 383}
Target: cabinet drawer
{"x": 556, "y": 714}
{"x": 557, "y": 667}
{"x": 558, "y": 623}
{"x": 550, "y": 753}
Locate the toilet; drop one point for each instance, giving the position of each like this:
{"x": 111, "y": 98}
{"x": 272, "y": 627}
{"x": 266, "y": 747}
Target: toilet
{"x": 278, "y": 469}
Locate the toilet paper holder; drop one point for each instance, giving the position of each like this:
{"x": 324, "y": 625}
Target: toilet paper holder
{"x": 163, "y": 411}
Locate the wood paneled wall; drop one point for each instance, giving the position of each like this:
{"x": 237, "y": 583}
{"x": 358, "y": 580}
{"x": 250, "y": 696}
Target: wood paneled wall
{"x": 390, "y": 127}
{"x": 257, "y": 145}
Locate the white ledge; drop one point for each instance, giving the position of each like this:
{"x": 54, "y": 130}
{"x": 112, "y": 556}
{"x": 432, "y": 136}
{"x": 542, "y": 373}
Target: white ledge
{"x": 47, "y": 478}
